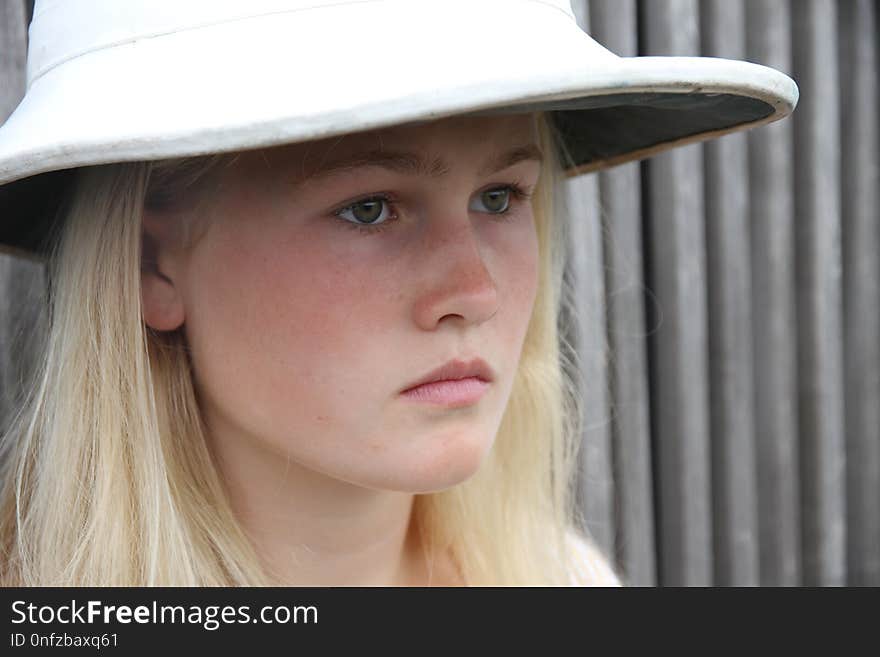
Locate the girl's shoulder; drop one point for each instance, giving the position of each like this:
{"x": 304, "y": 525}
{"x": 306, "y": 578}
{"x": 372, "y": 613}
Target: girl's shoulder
{"x": 589, "y": 566}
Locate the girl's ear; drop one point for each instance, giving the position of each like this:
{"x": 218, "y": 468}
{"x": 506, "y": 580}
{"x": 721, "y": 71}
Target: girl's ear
{"x": 161, "y": 298}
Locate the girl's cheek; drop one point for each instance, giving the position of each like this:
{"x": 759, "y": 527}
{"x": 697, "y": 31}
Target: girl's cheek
{"x": 322, "y": 292}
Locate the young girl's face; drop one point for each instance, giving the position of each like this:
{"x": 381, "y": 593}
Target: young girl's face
{"x": 334, "y": 275}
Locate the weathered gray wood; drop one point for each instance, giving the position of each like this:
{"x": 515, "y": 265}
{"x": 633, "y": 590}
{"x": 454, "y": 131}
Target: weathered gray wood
{"x": 729, "y": 282}
{"x": 596, "y": 490}
{"x": 861, "y": 284}
{"x": 581, "y": 9}
{"x": 12, "y": 55}
{"x": 587, "y": 332}
{"x": 817, "y": 207}
{"x": 613, "y": 23}
{"x": 676, "y": 239}
{"x": 22, "y": 326}
{"x": 771, "y": 188}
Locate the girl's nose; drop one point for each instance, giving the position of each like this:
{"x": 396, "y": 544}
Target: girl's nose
{"x": 456, "y": 285}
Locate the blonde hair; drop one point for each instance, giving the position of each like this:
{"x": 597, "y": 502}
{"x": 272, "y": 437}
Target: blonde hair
{"x": 109, "y": 479}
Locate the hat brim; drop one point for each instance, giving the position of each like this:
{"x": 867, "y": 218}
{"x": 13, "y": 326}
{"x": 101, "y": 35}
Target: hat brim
{"x": 251, "y": 83}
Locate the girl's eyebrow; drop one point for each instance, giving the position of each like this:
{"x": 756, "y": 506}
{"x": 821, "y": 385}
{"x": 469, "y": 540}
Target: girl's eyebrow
{"x": 414, "y": 164}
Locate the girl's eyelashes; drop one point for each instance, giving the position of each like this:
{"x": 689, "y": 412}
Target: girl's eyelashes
{"x": 376, "y": 212}
{"x": 369, "y": 215}
{"x": 497, "y": 200}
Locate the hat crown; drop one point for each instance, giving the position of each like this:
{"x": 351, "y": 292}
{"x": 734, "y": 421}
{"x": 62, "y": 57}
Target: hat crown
{"x": 64, "y": 29}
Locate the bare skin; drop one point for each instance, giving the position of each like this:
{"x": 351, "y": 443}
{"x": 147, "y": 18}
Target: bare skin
{"x": 305, "y": 327}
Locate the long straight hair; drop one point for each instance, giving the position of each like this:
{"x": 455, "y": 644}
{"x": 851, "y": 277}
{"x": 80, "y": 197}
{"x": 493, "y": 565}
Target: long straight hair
{"x": 109, "y": 479}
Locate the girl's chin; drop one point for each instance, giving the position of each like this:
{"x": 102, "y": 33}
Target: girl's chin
{"x": 457, "y": 463}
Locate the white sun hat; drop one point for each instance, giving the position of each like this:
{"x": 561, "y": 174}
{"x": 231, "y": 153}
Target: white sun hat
{"x": 129, "y": 80}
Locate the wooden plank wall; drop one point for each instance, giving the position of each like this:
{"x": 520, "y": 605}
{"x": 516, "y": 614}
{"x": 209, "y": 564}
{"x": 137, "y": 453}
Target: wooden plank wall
{"x": 743, "y": 312}
{"x": 860, "y": 194}
{"x": 728, "y": 323}
{"x": 771, "y": 202}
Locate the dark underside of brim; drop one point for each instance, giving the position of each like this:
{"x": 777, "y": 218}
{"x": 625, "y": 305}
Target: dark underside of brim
{"x": 630, "y": 123}
{"x": 593, "y": 130}
{"x": 29, "y": 209}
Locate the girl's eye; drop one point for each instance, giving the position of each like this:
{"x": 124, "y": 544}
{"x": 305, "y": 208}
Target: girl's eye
{"x": 367, "y": 212}
{"x": 498, "y": 200}
{"x": 494, "y": 201}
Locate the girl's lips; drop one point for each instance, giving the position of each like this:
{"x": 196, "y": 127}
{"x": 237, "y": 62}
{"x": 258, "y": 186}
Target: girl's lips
{"x": 449, "y": 393}
{"x": 455, "y": 370}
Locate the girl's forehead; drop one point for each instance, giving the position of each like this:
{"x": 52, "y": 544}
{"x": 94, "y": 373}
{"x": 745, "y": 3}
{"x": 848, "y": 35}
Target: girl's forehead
{"x": 467, "y": 135}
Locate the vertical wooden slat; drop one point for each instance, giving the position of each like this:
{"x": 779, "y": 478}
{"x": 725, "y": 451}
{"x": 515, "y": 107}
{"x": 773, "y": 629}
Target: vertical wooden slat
{"x": 676, "y": 253}
{"x": 587, "y": 336}
{"x": 775, "y": 337}
{"x": 12, "y": 55}
{"x": 730, "y": 333}
{"x": 817, "y": 206}
{"x": 596, "y": 490}
{"x": 581, "y": 9}
{"x": 860, "y": 179}
{"x": 613, "y": 24}
{"x": 22, "y": 323}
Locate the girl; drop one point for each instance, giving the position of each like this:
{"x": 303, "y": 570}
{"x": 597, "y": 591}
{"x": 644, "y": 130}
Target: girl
{"x": 305, "y": 264}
